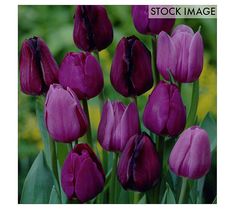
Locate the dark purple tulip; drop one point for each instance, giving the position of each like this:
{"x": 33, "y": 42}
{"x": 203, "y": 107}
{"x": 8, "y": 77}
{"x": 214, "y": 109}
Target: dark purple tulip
{"x": 65, "y": 119}
{"x": 82, "y": 73}
{"x": 131, "y": 72}
{"x": 38, "y": 69}
{"x": 165, "y": 113}
{"x": 92, "y": 28}
{"x": 82, "y": 175}
{"x": 145, "y": 25}
{"x": 118, "y": 123}
{"x": 182, "y": 54}
{"x": 190, "y": 157}
{"x": 139, "y": 165}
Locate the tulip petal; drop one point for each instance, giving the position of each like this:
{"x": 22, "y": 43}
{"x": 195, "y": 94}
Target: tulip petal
{"x": 89, "y": 180}
{"x": 166, "y": 55}
{"x": 195, "y": 62}
{"x": 141, "y": 59}
{"x": 140, "y": 18}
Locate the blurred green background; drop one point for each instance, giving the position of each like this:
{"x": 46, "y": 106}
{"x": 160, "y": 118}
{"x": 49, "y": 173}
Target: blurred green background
{"x": 54, "y": 24}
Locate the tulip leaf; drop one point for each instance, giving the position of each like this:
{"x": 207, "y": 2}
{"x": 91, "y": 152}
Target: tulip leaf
{"x": 43, "y": 131}
{"x": 142, "y": 200}
{"x": 200, "y": 186}
{"x": 168, "y": 196}
{"x": 54, "y": 197}
{"x": 209, "y": 124}
{"x": 38, "y": 182}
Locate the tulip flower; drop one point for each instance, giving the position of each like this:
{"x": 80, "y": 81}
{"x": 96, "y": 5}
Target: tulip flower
{"x": 64, "y": 117}
{"x": 118, "y": 123}
{"x": 190, "y": 157}
{"x": 82, "y": 73}
{"x": 82, "y": 175}
{"x": 131, "y": 72}
{"x": 139, "y": 165}
{"x": 165, "y": 113}
{"x": 145, "y": 25}
{"x": 181, "y": 54}
{"x": 92, "y": 28}
{"x": 38, "y": 69}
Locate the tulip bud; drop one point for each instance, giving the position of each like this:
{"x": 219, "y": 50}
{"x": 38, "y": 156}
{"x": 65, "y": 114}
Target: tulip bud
{"x": 181, "y": 54}
{"x": 139, "y": 165}
{"x": 38, "y": 69}
{"x": 145, "y": 25}
{"x": 64, "y": 117}
{"x": 82, "y": 175}
{"x": 190, "y": 157}
{"x": 131, "y": 72}
{"x": 82, "y": 73}
{"x": 165, "y": 113}
{"x": 92, "y": 28}
{"x": 118, "y": 123}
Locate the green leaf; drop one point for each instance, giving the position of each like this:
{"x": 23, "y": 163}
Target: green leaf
{"x": 209, "y": 124}
{"x": 200, "y": 186}
{"x": 38, "y": 182}
{"x": 142, "y": 200}
{"x": 168, "y": 196}
{"x": 54, "y": 197}
{"x": 193, "y": 106}
{"x": 43, "y": 131}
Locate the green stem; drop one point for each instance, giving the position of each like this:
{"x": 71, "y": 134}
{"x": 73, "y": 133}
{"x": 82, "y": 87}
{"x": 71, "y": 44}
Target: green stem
{"x": 183, "y": 191}
{"x": 134, "y": 99}
{"x": 113, "y": 179}
{"x": 89, "y": 134}
{"x": 154, "y": 59}
{"x": 54, "y": 164}
{"x": 160, "y": 149}
{"x": 194, "y": 104}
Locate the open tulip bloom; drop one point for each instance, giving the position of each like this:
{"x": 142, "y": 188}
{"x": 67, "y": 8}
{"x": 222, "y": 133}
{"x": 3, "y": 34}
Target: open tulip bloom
{"x": 142, "y": 146}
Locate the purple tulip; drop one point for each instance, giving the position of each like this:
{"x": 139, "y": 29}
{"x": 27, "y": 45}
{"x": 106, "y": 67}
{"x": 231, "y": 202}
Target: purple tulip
{"x": 64, "y": 117}
{"x": 139, "y": 165}
{"x": 82, "y": 175}
{"x": 82, "y": 73}
{"x": 131, "y": 72}
{"x": 118, "y": 123}
{"x": 38, "y": 69}
{"x": 92, "y": 28}
{"x": 145, "y": 25}
{"x": 191, "y": 156}
{"x": 165, "y": 113}
{"x": 181, "y": 54}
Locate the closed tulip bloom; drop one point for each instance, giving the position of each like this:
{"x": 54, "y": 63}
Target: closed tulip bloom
{"x": 38, "y": 69}
{"x": 181, "y": 54}
{"x": 64, "y": 117}
{"x": 190, "y": 157}
{"x": 82, "y": 73}
{"x": 131, "y": 72}
{"x": 145, "y": 25}
{"x": 165, "y": 113}
{"x": 92, "y": 28}
{"x": 139, "y": 165}
{"x": 118, "y": 123}
{"x": 82, "y": 175}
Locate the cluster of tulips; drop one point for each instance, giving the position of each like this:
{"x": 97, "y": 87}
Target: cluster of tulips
{"x": 176, "y": 59}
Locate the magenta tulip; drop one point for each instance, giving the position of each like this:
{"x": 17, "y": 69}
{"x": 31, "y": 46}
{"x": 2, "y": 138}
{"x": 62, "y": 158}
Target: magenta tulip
{"x": 181, "y": 54}
{"x": 131, "y": 72}
{"x": 92, "y": 28}
{"x": 145, "y": 25}
{"x": 118, "y": 123}
{"x": 190, "y": 157}
{"x": 82, "y": 175}
{"x": 64, "y": 117}
{"x": 165, "y": 113}
{"x": 139, "y": 165}
{"x": 82, "y": 73}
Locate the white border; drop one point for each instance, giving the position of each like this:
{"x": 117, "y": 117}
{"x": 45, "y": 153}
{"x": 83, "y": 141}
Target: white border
{"x": 9, "y": 114}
